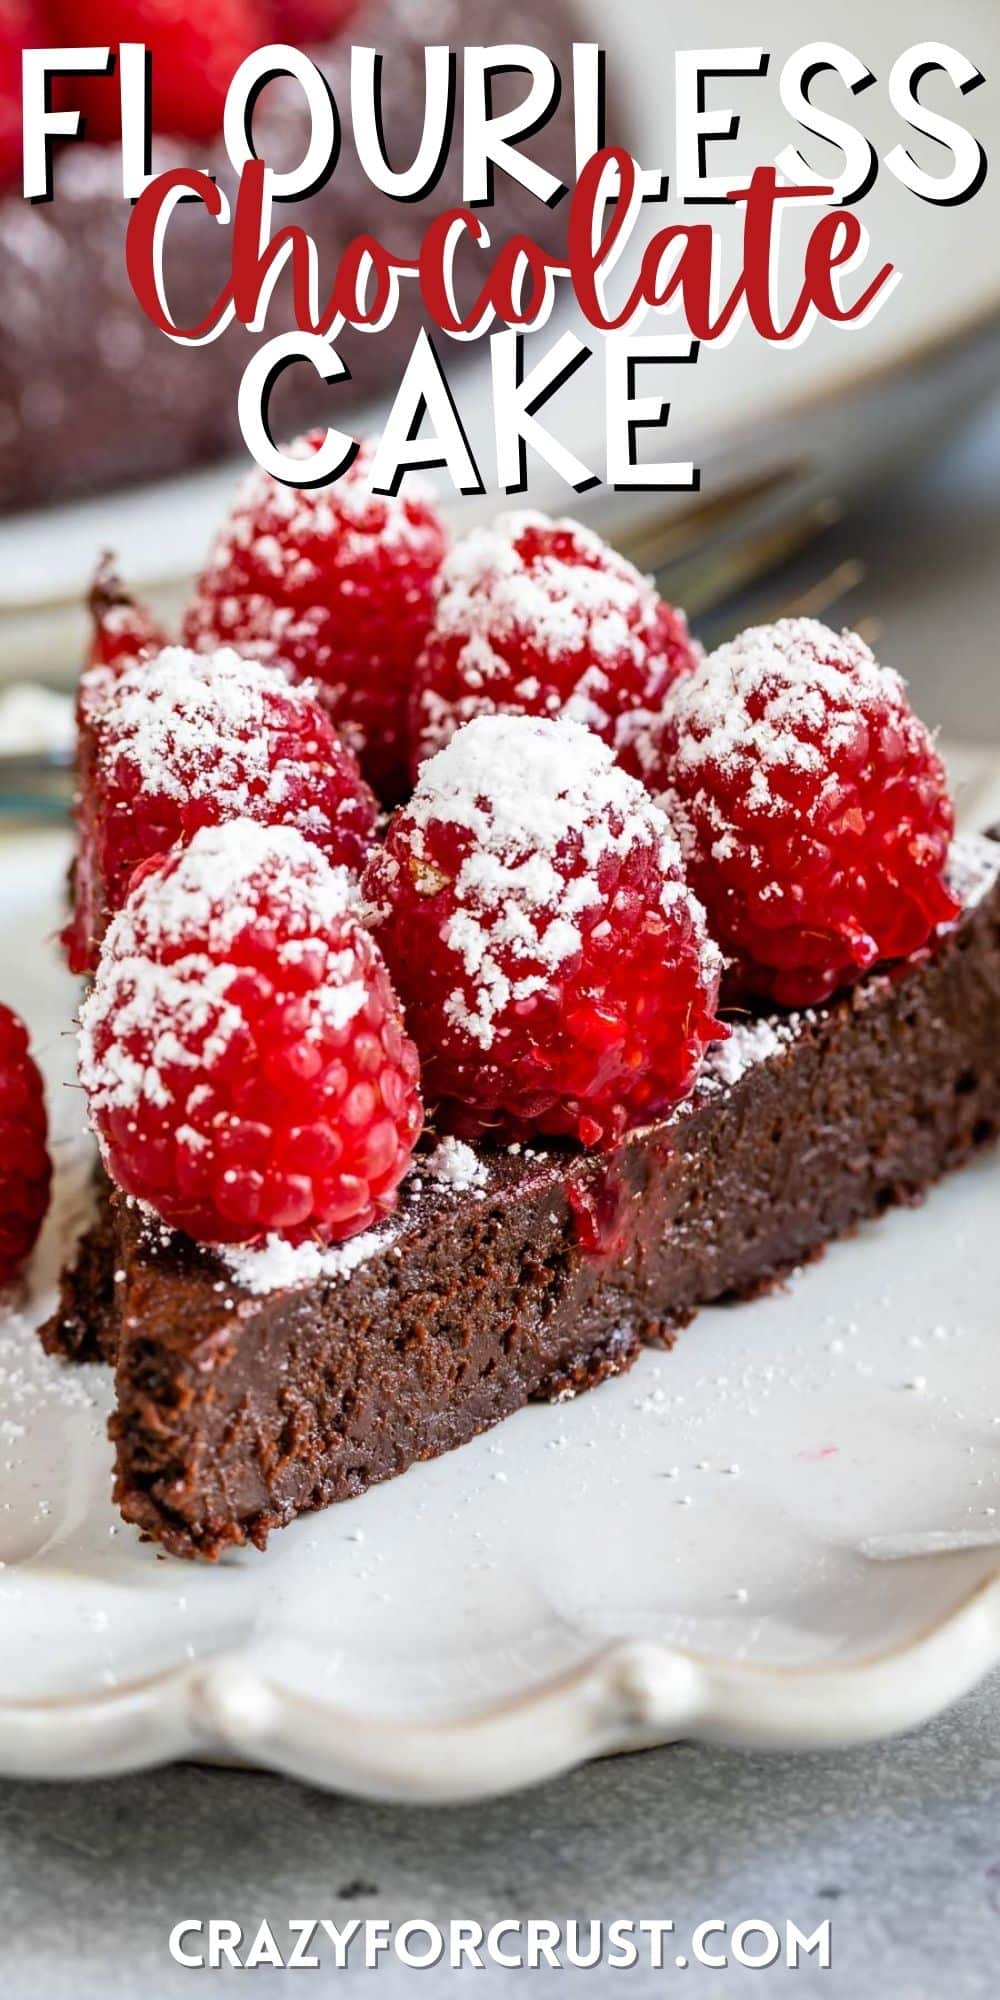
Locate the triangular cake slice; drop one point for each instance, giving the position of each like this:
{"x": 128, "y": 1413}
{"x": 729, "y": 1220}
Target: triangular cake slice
{"x": 255, "y": 1388}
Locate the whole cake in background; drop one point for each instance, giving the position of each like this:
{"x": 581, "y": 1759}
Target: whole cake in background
{"x": 68, "y": 318}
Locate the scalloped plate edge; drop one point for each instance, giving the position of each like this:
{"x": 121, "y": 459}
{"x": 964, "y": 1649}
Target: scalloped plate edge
{"x": 632, "y": 1695}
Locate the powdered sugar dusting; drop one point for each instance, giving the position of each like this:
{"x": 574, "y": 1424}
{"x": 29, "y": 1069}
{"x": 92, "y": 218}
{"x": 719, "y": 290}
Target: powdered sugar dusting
{"x": 486, "y": 587}
{"x": 184, "y": 1007}
{"x": 213, "y": 889}
{"x": 596, "y": 610}
{"x": 750, "y": 1043}
{"x": 275, "y": 1264}
{"x": 163, "y": 980}
{"x": 764, "y": 699}
{"x": 523, "y": 784}
{"x": 524, "y": 787}
{"x": 456, "y": 1165}
{"x": 973, "y": 867}
{"x": 196, "y": 725}
{"x": 279, "y": 526}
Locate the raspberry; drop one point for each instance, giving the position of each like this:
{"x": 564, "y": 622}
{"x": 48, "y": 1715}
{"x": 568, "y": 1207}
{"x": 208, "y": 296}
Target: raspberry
{"x": 540, "y": 617}
{"x": 242, "y": 1048}
{"x": 813, "y": 806}
{"x": 124, "y": 631}
{"x": 195, "y": 50}
{"x": 25, "y": 1168}
{"x": 338, "y": 583}
{"x": 185, "y": 741}
{"x": 553, "y": 965}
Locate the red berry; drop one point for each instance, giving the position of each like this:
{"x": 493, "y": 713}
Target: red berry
{"x": 338, "y": 583}
{"x": 124, "y": 631}
{"x": 553, "y": 965}
{"x": 540, "y": 617}
{"x": 196, "y": 52}
{"x": 123, "y": 627}
{"x": 185, "y": 741}
{"x": 25, "y": 1168}
{"x": 242, "y": 1048}
{"x": 813, "y": 805}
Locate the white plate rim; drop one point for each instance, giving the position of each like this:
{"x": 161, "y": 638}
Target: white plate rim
{"x": 633, "y": 1695}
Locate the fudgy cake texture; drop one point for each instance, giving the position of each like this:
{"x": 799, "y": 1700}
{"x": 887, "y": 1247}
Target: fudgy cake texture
{"x": 255, "y": 1387}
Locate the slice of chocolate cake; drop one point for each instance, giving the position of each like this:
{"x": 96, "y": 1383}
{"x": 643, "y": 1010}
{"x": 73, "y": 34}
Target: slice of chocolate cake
{"x": 256, "y": 1385}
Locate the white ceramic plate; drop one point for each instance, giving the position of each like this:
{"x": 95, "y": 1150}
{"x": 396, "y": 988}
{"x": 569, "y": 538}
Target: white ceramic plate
{"x": 785, "y": 1532}
{"x": 826, "y": 415}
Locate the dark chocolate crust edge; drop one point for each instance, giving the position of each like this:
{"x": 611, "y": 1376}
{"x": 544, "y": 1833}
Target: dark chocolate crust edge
{"x": 237, "y": 1411}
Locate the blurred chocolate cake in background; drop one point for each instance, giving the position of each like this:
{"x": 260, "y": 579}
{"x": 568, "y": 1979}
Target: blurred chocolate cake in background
{"x": 92, "y": 395}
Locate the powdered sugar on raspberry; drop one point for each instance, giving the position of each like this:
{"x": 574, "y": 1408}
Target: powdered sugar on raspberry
{"x": 596, "y": 608}
{"x": 187, "y": 1005}
{"x": 764, "y": 698}
{"x": 163, "y": 975}
{"x": 524, "y": 786}
{"x": 196, "y": 725}
{"x": 275, "y": 524}
{"x": 336, "y": 584}
{"x": 812, "y": 807}
{"x": 487, "y": 588}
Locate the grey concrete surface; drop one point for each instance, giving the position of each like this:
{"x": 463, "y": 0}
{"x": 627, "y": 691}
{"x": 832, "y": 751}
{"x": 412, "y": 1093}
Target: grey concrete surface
{"x": 898, "y": 1845}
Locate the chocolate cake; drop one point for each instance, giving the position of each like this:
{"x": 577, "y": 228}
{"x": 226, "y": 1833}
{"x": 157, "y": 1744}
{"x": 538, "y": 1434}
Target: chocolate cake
{"x": 69, "y": 320}
{"x": 254, "y": 1386}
